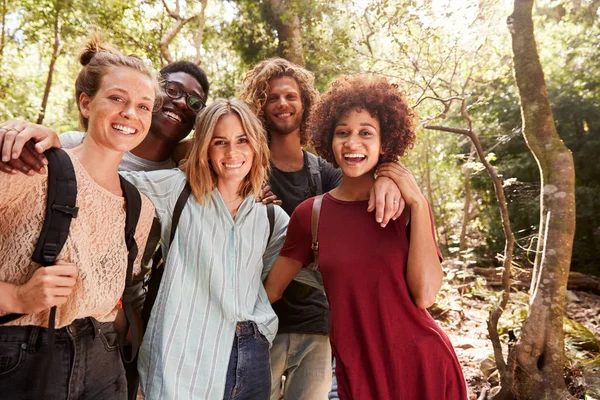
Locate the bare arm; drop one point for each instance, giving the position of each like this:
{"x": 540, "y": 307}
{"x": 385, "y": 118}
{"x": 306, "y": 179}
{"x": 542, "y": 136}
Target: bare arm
{"x": 283, "y": 271}
{"x": 424, "y": 271}
{"x": 22, "y": 144}
{"x": 46, "y": 288}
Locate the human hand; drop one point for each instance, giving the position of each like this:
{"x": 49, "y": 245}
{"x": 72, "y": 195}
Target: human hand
{"x": 385, "y": 198}
{"x": 405, "y": 181}
{"x": 266, "y": 196}
{"x": 47, "y": 287}
{"x": 22, "y": 144}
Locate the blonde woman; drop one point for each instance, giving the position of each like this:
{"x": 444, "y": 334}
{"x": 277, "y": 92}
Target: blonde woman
{"x": 212, "y": 324}
{"x": 116, "y": 96}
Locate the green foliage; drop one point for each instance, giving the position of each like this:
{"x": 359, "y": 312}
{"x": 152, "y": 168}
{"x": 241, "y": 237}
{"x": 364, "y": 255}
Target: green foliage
{"x": 437, "y": 48}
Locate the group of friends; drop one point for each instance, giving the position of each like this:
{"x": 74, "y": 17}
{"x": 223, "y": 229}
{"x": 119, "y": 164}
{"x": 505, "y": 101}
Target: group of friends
{"x": 244, "y": 300}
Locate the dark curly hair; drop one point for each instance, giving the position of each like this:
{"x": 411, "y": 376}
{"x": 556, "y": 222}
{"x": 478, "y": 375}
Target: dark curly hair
{"x": 382, "y": 99}
{"x": 255, "y": 88}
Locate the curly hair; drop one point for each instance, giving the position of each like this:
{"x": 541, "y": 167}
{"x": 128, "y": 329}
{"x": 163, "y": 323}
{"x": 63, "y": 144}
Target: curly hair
{"x": 381, "y": 98}
{"x": 255, "y": 88}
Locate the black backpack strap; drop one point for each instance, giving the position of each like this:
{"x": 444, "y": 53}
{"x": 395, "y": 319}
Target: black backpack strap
{"x": 185, "y": 194}
{"x": 60, "y": 210}
{"x": 158, "y": 261}
{"x": 133, "y": 204}
{"x": 271, "y": 217}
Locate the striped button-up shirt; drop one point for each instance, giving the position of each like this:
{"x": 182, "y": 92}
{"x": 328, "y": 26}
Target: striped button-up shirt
{"x": 213, "y": 279}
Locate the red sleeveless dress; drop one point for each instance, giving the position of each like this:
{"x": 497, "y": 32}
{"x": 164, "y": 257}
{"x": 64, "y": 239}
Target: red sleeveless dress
{"x": 385, "y": 347}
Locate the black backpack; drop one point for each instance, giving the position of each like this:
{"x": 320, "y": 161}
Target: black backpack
{"x": 60, "y": 210}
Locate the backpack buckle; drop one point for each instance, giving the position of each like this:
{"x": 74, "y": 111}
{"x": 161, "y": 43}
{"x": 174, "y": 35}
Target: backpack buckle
{"x": 49, "y": 252}
{"x": 72, "y": 211}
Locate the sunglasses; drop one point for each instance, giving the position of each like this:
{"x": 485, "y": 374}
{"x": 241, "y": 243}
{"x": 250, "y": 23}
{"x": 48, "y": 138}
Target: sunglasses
{"x": 175, "y": 91}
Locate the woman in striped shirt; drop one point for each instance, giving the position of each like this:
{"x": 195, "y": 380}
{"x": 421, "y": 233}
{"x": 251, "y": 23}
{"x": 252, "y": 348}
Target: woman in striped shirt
{"x": 211, "y": 327}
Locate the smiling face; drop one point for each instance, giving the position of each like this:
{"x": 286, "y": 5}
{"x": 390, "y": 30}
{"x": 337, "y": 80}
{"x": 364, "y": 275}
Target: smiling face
{"x": 174, "y": 121}
{"x": 229, "y": 152}
{"x": 284, "y": 108}
{"x": 120, "y": 113}
{"x": 356, "y": 143}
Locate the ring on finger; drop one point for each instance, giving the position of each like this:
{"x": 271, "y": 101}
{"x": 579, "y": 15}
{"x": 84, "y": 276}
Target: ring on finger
{"x": 396, "y": 202}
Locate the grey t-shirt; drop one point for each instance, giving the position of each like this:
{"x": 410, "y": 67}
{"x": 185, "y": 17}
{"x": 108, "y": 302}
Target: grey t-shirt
{"x": 131, "y": 162}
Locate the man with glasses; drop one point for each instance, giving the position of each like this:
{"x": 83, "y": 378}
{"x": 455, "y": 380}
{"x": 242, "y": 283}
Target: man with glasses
{"x": 185, "y": 89}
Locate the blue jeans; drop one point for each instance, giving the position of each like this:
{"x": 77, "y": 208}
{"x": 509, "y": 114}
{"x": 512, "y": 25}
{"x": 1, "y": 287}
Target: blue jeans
{"x": 249, "y": 371}
{"x": 86, "y": 363}
{"x": 305, "y": 360}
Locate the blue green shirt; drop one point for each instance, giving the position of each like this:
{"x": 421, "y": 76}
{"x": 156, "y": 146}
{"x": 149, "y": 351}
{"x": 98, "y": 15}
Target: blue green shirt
{"x": 213, "y": 278}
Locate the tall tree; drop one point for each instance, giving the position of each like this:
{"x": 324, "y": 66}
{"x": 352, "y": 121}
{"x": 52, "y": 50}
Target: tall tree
{"x": 287, "y": 24}
{"x": 3, "y": 10}
{"x": 538, "y": 357}
{"x": 56, "y": 48}
{"x": 181, "y": 21}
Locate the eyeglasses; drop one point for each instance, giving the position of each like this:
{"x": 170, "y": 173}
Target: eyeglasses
{"x": 175, "y": 91}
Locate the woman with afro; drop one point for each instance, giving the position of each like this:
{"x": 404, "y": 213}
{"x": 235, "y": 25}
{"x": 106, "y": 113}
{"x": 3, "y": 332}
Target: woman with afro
{"x": 379, "y": 281}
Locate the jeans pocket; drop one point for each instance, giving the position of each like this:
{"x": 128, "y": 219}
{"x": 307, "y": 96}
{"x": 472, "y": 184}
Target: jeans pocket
{"x": 109, "y": 336}
{"x": 263, "y": 339}
{"x": 12, "y": 357}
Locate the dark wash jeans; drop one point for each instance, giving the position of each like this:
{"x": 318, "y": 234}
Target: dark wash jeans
{"x": 86, "y": 363}
{"x": 249, "y": 370}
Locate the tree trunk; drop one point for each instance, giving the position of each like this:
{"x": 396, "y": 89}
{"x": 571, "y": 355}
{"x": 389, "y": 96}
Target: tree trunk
{"x": 462, "y": 243}
{"x": 55, "y": 54}
{"x": 289, "y": 35}
{"x": 3, "y": 31}
{"x": 200, "y": 32}
{"x": 539, "y": 354}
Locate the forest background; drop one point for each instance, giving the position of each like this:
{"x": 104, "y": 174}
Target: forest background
{"x": 434, "y": 49}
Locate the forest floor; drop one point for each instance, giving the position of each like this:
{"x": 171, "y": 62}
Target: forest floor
{"x": 462, "y": 311}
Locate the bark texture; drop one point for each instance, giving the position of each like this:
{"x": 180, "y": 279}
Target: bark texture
{"x": 2, "y": 30}
{"x": 539, "y": 353}
{"x": 287, "y": 23}
{"x": 55, "y": 53}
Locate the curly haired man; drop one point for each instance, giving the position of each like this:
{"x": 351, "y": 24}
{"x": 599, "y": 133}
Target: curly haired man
{"x": 282, "y": 95}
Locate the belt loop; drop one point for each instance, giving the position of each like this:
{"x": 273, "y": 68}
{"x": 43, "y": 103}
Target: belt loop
{"x": 33, "y": 338}
{"x": 95, "y": 325}
{"x": 256, "y": 331}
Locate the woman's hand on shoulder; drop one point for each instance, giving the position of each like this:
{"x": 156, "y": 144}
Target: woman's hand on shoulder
{"x": 22, "y": 144}
{"x": 406, "y": 182}
{"x": 385, "y": 198}
{"x": 47, "y": 287}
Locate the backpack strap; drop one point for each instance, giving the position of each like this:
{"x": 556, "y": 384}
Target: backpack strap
{"x": 314, "y": 173}
{"x": 158, "y": 260}
{"x": 271, "y": 217}
{"x": 60, "y": 210}
{"x": 133, "y": 204}
{"x": 181, "y": 200}
{"x": 314, "y": 228}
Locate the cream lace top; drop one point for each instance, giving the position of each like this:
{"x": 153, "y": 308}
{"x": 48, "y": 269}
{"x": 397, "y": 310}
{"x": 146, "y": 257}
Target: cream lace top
{"x": 96, "y": 243}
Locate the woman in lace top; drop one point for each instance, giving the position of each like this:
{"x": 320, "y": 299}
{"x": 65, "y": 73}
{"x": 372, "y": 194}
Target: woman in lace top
{"x": 116, "y": 96}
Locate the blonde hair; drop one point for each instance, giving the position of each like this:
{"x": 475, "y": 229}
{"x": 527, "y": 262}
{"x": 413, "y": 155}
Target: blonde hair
{"x": 255, "y": 88}
{"x": 97, "y": 57}
{"x": 200, "y": 174}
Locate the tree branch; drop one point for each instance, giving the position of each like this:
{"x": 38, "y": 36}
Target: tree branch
{"x": 166, "y": 41}
{"x": 200, "y": 32}
{"x": 496, "y": 313}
